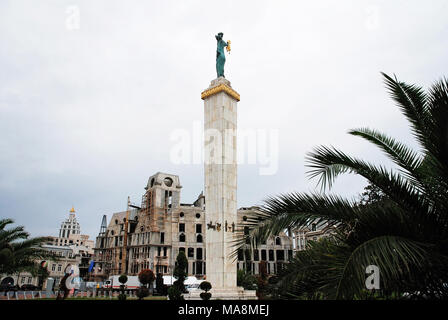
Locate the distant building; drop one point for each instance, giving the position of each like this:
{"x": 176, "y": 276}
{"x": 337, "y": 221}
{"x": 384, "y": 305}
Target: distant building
{"x": 71, "y": 247}
{"x": 70, "y": 234}
{"x": 160, "y": 227}
{"x": 313, "y": 232}
{"x": 276, "y": 251}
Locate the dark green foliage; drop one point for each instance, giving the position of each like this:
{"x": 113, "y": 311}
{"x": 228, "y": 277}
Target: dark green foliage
{"x": 145, "y": 277}
{"x": 400, "y": 224}
{"x": 18, "y": 252}
{"x": 205, "y": 295}
{"x": 122, "y": 296}
{"x": 174, "y": 293}
{"x": 123, "y": 279}
{"x": 206, "y": 286}
{"x": 159, "y": 283}
{"x": 180, "y": 271}
{"x": 246, "y": 280}
{"x": 142, "y": 292}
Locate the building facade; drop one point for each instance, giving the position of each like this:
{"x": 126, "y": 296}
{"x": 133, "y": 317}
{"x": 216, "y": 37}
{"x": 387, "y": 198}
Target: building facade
{"x": 160, "y": 227}
{"x": 313, "y": 232}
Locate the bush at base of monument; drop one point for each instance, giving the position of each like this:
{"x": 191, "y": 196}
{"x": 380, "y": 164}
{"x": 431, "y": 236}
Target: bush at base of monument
{"x": 206, "y": 286}
{"x": 122, "y": 279}
{"x": 122, "y": 296}
{"x": 145, "y": 277}
{"x": 174, "y": 293}
{"x": 142, "y": 292}
{"x": 180, "y": 272}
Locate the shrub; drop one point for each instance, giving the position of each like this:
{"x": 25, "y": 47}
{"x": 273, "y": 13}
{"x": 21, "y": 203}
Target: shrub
{"x": 180, "y": 271}
{"x": 159, "y": 283}
{"x": 142, "y": 292}
{"x": 205, "y": 295}
{"x": 123, "y": 279}
{"x": 206, "y": 286}
{"x": 146, "y": 276}
{"x": 174, "y": 293}
{"x": 122, "y": 296}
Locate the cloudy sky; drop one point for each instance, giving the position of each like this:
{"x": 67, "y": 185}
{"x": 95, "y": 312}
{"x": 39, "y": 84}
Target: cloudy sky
{"x": 92, "y": 91}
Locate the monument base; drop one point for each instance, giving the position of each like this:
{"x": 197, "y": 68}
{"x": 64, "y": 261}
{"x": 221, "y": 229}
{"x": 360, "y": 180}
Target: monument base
{"x": 236, "y": 293}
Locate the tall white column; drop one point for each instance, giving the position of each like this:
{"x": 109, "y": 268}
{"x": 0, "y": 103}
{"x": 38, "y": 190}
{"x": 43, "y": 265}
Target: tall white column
{"x": 220, "y": 123}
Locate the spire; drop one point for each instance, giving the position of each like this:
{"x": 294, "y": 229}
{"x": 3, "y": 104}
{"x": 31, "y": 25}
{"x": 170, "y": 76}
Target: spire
{"x": 72, "y": 210}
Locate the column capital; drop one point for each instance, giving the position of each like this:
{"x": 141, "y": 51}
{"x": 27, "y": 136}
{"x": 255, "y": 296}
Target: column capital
{"x": 220, "y": 85}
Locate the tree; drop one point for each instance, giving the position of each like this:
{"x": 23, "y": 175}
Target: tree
{"x": 245, "y": 280}
{"x": 174, "y": 293}
{"x": 145, "y": 277}
{"x": 159, "y": 283}
{"x": 122, "y": 279}
{"x": 206, "y": 286}
{"x": 180, "y": 271}
{"x": 262, "y": 280}
{"x": 405, "y": 236}
{"x": 19, "y": 252}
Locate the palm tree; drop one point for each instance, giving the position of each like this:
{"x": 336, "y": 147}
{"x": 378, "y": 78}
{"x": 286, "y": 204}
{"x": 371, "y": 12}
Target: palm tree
{"x": 18, "y": 252}
{"x": 405, "y": 236}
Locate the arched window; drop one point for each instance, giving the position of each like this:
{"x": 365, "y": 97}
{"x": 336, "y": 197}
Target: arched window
{"x": 278, "y": 241}
{"x": 199, "y": 238}
{"x": 182, "y": 237}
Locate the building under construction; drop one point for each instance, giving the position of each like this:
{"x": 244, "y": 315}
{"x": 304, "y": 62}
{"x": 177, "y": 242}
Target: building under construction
{"x": 150, "y": 235}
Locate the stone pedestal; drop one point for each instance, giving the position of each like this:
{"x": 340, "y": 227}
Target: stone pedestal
{"x": 220, "y": 124}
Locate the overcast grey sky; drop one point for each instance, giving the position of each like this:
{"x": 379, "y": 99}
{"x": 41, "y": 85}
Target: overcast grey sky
{"x": 86, "y": 110}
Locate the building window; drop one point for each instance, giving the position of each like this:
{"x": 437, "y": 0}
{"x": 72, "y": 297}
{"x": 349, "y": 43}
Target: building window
{"x": 181, "y": 227}
{"x": 199, "y": 254}
{"x": 162, "y": 237}
{"x": 164, "y": 252}
{"x": 182, "y": 249}
{"x": 271, "y": 255}
{"x": 181, "y": 214}
{"x": 240, "y": 255}
{"x": 256, "y": 255}
{"x": 53, "y": 267}
{"x": 198, "y": 215}
{"x": 191, "y": 252}
{"x": 280, "y": 255}
{"x": 199, "y": 238}
{"x": 199, "y": 267}
{"x": 182, "y": 237}
{"x": 278, "y": 241}
{"x": 263, "y": 255}
{"x": 199, "y": 228}
{"x": 313, "y": 227}
{"x": 60, "y": 267}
